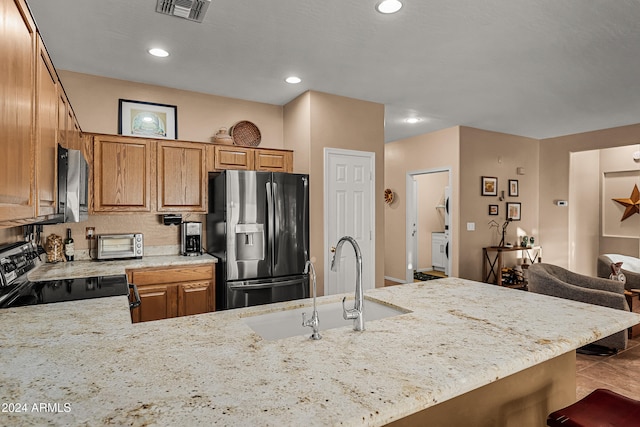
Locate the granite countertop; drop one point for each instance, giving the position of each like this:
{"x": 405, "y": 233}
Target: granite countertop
{"x": 86, "y": 268}
{"x": 87, "y": 360}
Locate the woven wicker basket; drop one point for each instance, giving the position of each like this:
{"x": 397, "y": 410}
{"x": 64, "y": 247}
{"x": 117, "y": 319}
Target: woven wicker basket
{"x": 245, "y": 133}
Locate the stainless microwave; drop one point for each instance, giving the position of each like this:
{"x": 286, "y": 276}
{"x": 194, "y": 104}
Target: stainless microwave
{"x": 119, "y": 246}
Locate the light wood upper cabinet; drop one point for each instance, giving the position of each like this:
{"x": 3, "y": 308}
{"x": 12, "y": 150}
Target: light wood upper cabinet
{"x": 63, "y": 118}
{"x": 232, "y": 157}
{"x": 273, "y": 160}
{"x": 46, "y": 132}
{"x": 122, "y": 174}
{"x": 182, "y": 176}
{"x": 17, "y": 90}
{"x": 246, "y": 158}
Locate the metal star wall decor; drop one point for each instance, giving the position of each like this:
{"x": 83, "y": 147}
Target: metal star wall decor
{"x": 632, "y": 204}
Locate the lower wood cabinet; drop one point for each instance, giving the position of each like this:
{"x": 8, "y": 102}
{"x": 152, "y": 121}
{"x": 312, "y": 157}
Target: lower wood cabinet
{"x": 173, "y": 291}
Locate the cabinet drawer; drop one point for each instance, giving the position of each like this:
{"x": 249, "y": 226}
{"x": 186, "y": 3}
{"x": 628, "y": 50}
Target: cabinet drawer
{"x": 184, "y": 273}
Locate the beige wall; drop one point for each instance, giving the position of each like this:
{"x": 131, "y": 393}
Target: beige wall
{"x": 554, "y": 183}
{"x": 337, "y": 122}
{"x": 485, "y": 153}
{"x": 95, "y": 102}
{"x": 420, "y": 153}
{"x": 583, "y": 215}
{"x": 297, "y": 132}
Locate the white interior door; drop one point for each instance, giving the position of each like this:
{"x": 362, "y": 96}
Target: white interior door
{"x": 349, "y": 211}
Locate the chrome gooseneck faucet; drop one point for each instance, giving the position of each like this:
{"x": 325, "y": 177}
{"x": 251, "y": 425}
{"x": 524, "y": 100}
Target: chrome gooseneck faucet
{"x": 357, "y": 312}
{"x": 314, "y": 322}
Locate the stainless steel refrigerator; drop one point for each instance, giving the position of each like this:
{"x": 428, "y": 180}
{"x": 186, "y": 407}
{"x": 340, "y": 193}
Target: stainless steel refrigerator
{"x": 258, "y": 228}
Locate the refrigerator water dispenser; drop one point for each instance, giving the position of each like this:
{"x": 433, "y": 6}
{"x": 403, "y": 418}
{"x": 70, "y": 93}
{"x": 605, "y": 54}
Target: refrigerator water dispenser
{"x": 249, "y": 242}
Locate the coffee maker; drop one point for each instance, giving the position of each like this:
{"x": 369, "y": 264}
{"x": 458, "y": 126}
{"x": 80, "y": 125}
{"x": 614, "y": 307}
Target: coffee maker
{"x": 191, "y": 238}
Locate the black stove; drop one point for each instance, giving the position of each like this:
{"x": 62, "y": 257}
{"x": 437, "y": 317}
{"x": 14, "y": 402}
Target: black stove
{"x": 17, "y": 259}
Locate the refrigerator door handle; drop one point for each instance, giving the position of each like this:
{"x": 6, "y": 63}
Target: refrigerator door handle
{"x": 270, "y": 219}
{"x": 305, "y": 215}
{"x": 276, "y": 221}
{"x": 266, "y": 285}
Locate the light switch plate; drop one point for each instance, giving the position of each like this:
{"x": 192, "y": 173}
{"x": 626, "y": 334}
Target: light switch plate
{"x": 471, "y": 226}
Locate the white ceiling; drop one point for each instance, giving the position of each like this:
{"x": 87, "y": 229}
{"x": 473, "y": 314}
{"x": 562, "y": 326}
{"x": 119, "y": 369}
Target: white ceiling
{"x": 537, "y": 68}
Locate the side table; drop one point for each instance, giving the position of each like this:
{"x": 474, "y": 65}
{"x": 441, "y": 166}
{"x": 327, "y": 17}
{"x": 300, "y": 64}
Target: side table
{"x": 633, "y": 299}
{"x": 493, "y": 261}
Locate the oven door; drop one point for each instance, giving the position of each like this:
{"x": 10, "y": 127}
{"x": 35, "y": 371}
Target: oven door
{"x": 247, "y": 293}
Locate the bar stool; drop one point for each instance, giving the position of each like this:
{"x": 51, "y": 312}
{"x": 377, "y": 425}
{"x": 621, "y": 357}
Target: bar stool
{"x": 601, "y": 408}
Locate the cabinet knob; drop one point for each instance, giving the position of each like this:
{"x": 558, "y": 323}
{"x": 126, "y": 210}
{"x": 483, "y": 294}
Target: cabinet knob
{"x": 333, "y": 249}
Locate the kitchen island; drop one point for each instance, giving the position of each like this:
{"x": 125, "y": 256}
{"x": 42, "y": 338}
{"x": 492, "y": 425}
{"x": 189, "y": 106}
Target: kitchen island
{"x": 91, "y": 366}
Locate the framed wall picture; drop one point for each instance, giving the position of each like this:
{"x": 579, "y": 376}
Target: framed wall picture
{"x": 513, "y": 211}
{"x": 513, "y": 188}
{"x": 147, "y": 119}
{"x": 489, "y": 186}
{"x": 493, "y": 209}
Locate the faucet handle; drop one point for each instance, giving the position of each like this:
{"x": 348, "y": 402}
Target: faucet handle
{"x": 305, "y": 322}
{"x": 348, "y": 313}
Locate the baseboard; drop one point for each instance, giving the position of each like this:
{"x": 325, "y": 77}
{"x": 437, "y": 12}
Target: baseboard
{"x": 393, "y": 279}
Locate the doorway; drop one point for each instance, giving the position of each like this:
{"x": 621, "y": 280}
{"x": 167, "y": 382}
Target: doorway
{"x": 429, "y": 228}
{"x": 349, "y": 210}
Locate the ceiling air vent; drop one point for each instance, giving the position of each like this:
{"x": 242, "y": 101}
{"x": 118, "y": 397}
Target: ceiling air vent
{"x": 193, "y": 10}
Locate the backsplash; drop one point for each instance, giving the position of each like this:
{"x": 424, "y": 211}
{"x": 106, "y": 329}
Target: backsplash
{"x": 159, "y": 239}
{"x": 10, "y": 235}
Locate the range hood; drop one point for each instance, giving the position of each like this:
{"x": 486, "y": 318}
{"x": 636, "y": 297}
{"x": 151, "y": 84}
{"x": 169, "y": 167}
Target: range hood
{"x": 193, "y": 10}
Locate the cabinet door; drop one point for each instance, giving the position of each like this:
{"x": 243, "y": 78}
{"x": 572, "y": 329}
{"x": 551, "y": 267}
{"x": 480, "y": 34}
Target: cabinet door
{"x": 173, "y": 291}
{"x": 156, "y": 302}
{"x": 273, "y": 160}
{"x": 63, "y": 117}
{"x": 17, "y": 88}
{"x": 181, "y": 177}
{"x": 122, "y": 174}
{"x": 46, "y": 132}
{"x": 195, "y": 298}
{"x": 73, "y": 134}
{"x": 233, "y": 158}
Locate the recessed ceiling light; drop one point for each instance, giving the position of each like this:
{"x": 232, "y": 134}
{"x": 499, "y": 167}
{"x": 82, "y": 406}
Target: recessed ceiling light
{"x": 388, "y": 6}
{"x": 161, "y": 53}
{"x": 293, "y": 80}
{"x": 413, "y": 120}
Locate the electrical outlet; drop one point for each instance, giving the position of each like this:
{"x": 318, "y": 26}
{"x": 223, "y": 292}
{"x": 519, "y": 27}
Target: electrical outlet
{"x": 90, "y": 232}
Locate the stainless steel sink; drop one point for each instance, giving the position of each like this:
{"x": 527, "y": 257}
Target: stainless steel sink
{"x": 288, "y": 323}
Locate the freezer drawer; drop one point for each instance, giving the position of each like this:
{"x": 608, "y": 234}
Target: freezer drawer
{"x": 247, "y": 293}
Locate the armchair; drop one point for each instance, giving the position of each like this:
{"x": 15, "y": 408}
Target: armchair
{"x": 630, "y": 268}
{"x": 556, "y": 281}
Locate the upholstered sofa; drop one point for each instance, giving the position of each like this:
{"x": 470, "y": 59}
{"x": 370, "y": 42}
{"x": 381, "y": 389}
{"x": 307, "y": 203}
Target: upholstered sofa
{"x": 630, "y": 268}
{"x": 556, "y": 281}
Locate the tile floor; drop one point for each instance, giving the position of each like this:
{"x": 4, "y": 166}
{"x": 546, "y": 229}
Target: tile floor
{"x": 619, "y": 373}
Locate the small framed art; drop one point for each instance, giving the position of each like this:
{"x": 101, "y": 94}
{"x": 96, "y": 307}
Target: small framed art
{"x": 513, "y": 188}
{"x": 493, "y": 209}
{"x": 513, "y": 211}
{"x": 489, "y": 186}
{"x": 147, "y": 119}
